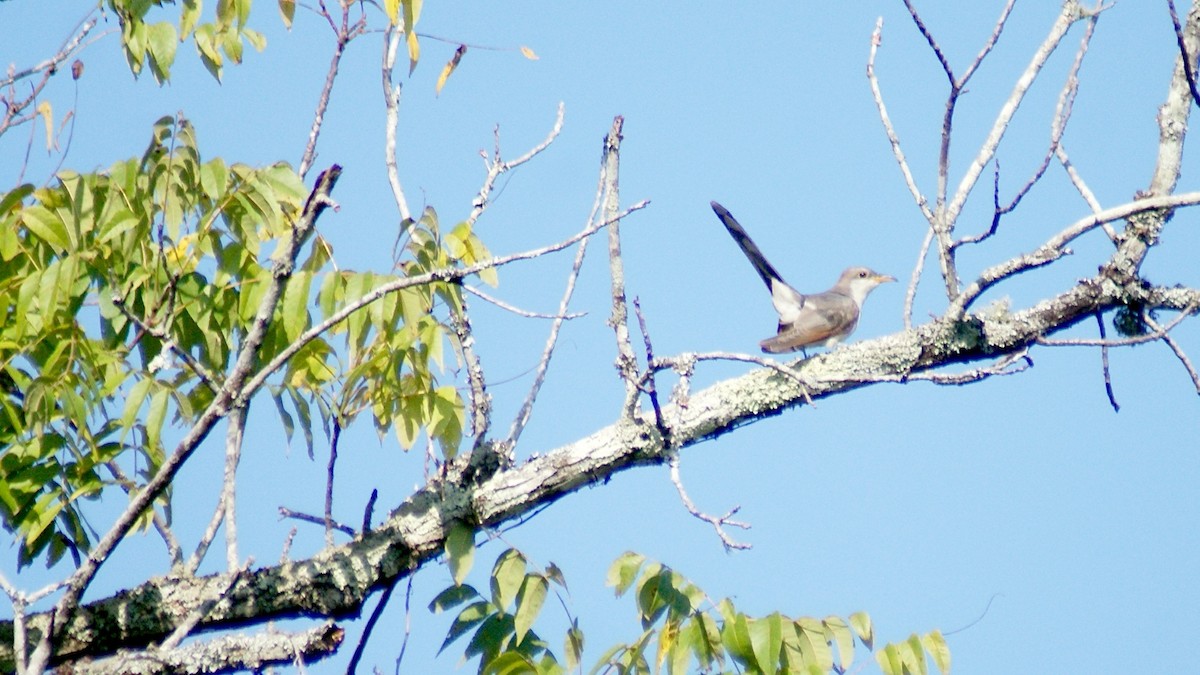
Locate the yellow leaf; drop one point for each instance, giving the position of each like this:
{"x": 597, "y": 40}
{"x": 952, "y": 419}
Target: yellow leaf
{"x": 450, "y": 66}
{"x": 47, "y": 113}
{"x": 414, "y": 52}
{"x": 528, "y": 53}
{"x": 287, "y": 12}
{"x": 392, "y": 7}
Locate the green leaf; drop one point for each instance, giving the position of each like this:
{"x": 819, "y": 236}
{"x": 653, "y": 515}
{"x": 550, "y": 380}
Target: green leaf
{"x": 736, "y": 637}
{"x": 935, "y": 643}
{"x": 861, "y": 623}
{"x": 294, "y": 305}
{"x": 14, "y": 197}
{"x": 915, "y": 656}
{"x": 810, "y": 636}
{"x": 766, "y": 639}
{"x": 188, "y": 17}
{"x": 489, "y": 637}
{"x": 155, "y": 418}
{"x": 507, "y": 576}
{"x": 214, "y": 178}
{"x": 460, "y": 551}
{"x": 509, "y": 663}
{"x": 287, "y": 12}
{"x": 453, "y": 596}
{"x": 889, "y": 660}
{"x": 573, "y": 645}
{"x": 623, "y": 571}
{"x": 839, "y": 633}
{"x": 133, "y": 402}
{"x": 529, "y": 603}
{"x": 471, "y": 615}
{"x": 48, "y": 227}
{"x": 161, "y": 42}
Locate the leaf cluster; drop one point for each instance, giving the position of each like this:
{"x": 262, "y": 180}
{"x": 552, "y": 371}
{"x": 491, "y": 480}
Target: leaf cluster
{"x": 127, "y": 294}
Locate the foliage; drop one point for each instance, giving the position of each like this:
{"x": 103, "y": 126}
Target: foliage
{"x": 682, "y": 629}
{"x": 126, "y": 293}
{"x": 154, "y": 44}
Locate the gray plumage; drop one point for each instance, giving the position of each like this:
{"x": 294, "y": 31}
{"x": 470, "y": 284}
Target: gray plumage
{"x": 820, "y": 319}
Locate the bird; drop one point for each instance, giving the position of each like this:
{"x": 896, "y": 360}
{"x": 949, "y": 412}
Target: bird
{"x": 816, "y": 320}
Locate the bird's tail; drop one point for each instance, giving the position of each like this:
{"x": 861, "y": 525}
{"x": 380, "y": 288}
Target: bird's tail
{"x": 764, "y": 268}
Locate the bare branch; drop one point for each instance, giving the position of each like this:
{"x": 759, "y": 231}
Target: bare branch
{"x": 160, "y": 523}
{"x": 334, "y": 437}
{"x": 285, "y": 512}
{"x": 1177, "y": 349}
{"x": 1070, "y": 14}
{"x": 990, "y": 44}
{"x": 480, "y": 401}
{"x": 223, "y": 654}
{"x": 937, "y": 51}
{"x": 496, "y": 166}
{"x": 474, "y": 290}
{"x": 1082, "y": 188}
{"x": 1055, "y": 248}
{"x": 893, "y": 138}
{"x": 14, "y": 107}
{"x": 391, "y": 97}
{"x": 1058, "y": 125}
{"x": 646, "y": 382}
{"x": 718, "y": 522}
{"x": 526, "y": 409}
{"x": 448, "y": 274}
{"x": 343, "y": 35}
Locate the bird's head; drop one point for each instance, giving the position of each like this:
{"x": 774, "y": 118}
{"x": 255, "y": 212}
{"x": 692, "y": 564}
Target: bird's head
{"x": 857, "y": 282}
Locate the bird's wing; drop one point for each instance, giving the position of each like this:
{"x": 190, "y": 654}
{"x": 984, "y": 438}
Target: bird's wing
{"x": 825, "y": 316}
{"x": 788, "y": 302}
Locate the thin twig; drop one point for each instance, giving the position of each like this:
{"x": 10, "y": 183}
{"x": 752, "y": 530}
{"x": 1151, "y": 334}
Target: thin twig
{"x": 474, "y": 290}
{"x": 1178, "y": 350}
{"x": 893, "y": 138}
{"x": 1157, "y": 334}
{"x": 480, "y": 401}
{"x": 329, "y": 472}
{"x": 446, "y": 274}
{"x": 718, "y": 522}
{"x": 370, "y": 626}
{"x": 526, "y": 409}
{"x": 1055, "y": 248}
{"x": 1108, "y": 387}
{"x": 226, "y": 508}
{"x": 496, "y": 166}
{"x": 646, "y": 383}
{"x": 160, "y": 523}
{"x": 1058, "y": 126}
{"x": 343, "y": 35}
{"x": 369, "y": 511}
{"x": 285, "y": 512}
{"x": 1188, "y": 70}
{"x": 1082, "y": 188}
{"x": 407, "y": 624}
{"x": 987, "y": 151}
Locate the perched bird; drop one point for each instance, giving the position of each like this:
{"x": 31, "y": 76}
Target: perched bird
{"x": 820, "y": 319}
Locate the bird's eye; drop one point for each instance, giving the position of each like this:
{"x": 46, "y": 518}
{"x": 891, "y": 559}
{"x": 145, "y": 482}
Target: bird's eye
{"x": 862, "y": 275}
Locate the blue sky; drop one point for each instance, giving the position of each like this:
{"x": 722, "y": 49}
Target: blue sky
{"x": 919, "y": 504}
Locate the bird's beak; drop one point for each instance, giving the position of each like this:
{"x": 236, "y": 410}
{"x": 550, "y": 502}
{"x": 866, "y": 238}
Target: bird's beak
{"x": 884, "y": 278}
